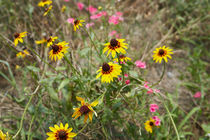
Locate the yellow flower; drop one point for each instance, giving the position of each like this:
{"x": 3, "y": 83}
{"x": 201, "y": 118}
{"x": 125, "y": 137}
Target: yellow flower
{"x": 2, "y": 136}
{"x": 162, "y": 53}
{"x": 42, "y": 3}
{"x": 63, "y": 8}
{"x": 51, "y": 40}
{"x": 17, "y": 67}
{"x": 60, "y": 133}
{"x": 122, "y": 58}
{"x": 149, "y": 124}
{"x": 115, "y": 46}
{"x": 108, "y": 71}
{"x": 47, "y": 10}
{"x": 77, "y": 23}
{"x": 85, "y": 109}
{"x": 22, "y": 54}
{"x": 41, "y": 41}
{"x": 58, "y": 50}
{"x": 18, "y": 37}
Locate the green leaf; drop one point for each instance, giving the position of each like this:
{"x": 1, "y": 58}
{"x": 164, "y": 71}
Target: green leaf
{"x": 187, "y": 117}
{"x": 206, "y": 128}
{"x": 63, "y": 84}
{"x": 32, "y": 68}
{"x": 133, "y": 73}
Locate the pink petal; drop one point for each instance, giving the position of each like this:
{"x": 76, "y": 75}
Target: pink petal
{"x": 70, "y": 20}
{"x": 126, "y": 75}
{"x": 127, "y": 82}
{"x": 80, "y": 5}
{"x": 140, "y": 64}
{"x": 149, "y": 91}
{"x": 197, "y": 95}
{"x": 91, "y": 9}
{"x": 88, "y": 25}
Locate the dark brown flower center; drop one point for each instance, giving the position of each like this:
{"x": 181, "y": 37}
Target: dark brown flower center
{"x": 84, "y": 109}
{"x": 76, "y": 22}
{"x": 49, "y": 39}
{"x": 105, "y": 67}
{"x": 44, "y": 0}
{"x": 151, "y": 123}
{"x": 161, "y": 52}
{"x": 16, "y": 35}
{"x": 55, "y": 48}
{"x": 113, "y": 42}
{"x": 121, "y": 56}
{"x": 62, "y": 135}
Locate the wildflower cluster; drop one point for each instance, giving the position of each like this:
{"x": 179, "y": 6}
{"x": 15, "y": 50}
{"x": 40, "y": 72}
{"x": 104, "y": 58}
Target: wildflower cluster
{"x": 113, "y": 72}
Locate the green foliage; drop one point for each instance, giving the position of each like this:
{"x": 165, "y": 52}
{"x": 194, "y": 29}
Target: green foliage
{"x": 45, "y": 91}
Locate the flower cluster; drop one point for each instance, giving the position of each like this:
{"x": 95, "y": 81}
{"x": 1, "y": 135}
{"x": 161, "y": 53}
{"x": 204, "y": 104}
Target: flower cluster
{"x": 47, "y": 4}
{"x": 115, "y": 49}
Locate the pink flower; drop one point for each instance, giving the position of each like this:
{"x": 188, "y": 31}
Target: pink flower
{"x": 104, "y": 13}
{"x": 80, "y": 5}
{"x": 112, "y": 33}
{"x": 66, "y": 0}
{"x": 157, "y": 120}
{"x": 99, "y": 15}
{"x": 197, "y": 95}
{"x": 140, "y": 64}
{"x": 114, "y": 19}
{"x": 153, "y": 107}
{"x": 122, "y": 62}
{"x": 119, "y": 14}
{"x": 70, "y": 20}
{"x": 149, "y": 91}
{"x": 127, "y": 82}
{"x": 126, "y": 75}
{"x": 119, "y": 78}
{"x": 91, "y": 9}
{"x": 146, "y": 86}
{"x": 88, "y": 25}
{"x": 157, "y": 90}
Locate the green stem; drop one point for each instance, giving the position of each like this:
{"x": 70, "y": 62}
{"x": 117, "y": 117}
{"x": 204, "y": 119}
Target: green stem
{"x": 94, "y": 45}
{"x": 22, "y": 118}
{"x": 73, "y": 68}
{"x": 82, "y": 128}
{"x": 161, "y": 77}
{"x": 177, "y": 133}
{"x": 25, "y": 110}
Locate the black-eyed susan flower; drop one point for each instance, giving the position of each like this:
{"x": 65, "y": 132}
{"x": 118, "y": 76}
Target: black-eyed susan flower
{"x": 22, "y": 54}
{"x": 85, "y": 109}
{"x": 19, "y": 37}
{"x": 149, "y": 124}
{"x": 50, "y": 40}
{"x": 47, "y": 10}
{"x": 42, "y": 3}
{"x": 122, "y": 58}
{"x": 2, "y": 136}
{"x": 41, "y": 41}
{"x": 77, "y": 23}
{"x": 63, "y": 8}
{"x": 162, "y": 53}
{"x": 115, "y": 46}
{"x": 60, "y": 133}
{"x": 58, "y": 50}
{"x": 108, "y": 71}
